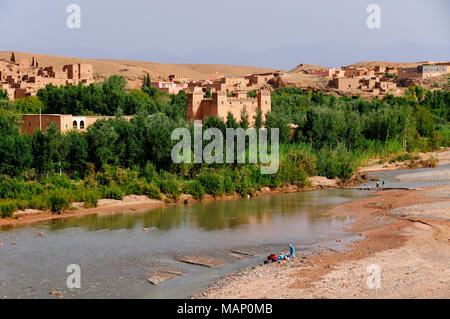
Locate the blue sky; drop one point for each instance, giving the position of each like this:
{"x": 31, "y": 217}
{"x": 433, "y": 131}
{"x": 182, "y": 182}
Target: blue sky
{"x": 259, "y": 32}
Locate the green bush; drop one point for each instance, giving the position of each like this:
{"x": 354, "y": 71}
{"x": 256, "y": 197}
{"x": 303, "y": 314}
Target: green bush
{"x": 243, "y": 186}
{"x": 7, "y": 209}
{"x": 291, "y": 172}
{"x": 39, "y": 202}
{"x": 194, "y": 188}
{"x": 308, "y": 162}
{"x": 404, "y": 157}
{"x": 152, "y": 191}
{"x": 337, "y": 163}
{"x": 212, "y": 183}
{"x": 229, "y": 185}
{"x": 149, "y": 172}
{"x": 170, "y": 186}
{"x": 58, "y": 202}
{"x": 90, "y": 199}
{"x": 113, "y": 192}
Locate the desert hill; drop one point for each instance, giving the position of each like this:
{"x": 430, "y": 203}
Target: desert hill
{"x": 307, "y": 67}
{"x": 133, "y": 71}
{"x": 371, "y": 64}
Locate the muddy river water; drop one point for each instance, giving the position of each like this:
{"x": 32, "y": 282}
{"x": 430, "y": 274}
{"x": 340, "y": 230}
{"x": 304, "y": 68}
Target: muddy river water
{"x": 116, "y": 252}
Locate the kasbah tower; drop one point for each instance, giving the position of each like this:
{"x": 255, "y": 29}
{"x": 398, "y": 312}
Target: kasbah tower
{"x": 220, "y": 104}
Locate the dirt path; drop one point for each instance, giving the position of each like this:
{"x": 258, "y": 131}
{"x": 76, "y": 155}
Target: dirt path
{"x": 412, "y": 253}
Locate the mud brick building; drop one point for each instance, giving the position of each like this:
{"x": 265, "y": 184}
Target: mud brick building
{"x": 199, "y": 107}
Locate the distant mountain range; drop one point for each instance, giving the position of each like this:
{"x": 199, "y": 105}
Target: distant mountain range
{"x": 328, "y": 54}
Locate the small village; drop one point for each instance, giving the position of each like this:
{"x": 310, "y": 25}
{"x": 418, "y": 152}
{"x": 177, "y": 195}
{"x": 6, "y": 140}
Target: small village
{"x": 259, "y": 156}
{"x": 216, "y": 95}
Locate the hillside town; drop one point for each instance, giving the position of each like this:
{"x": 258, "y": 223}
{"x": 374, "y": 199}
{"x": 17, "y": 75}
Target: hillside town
{"x": 24, "y": 77}
{"x": 379, "y": 79}
{"x": 216, "y": 94}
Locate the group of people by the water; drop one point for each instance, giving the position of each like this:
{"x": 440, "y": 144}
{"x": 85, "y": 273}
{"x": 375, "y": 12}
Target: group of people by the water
{"x": 382, "y": 184}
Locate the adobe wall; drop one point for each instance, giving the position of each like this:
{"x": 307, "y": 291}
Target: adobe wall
{"x": 199, "y": 108}
{"x": 346, "y": 83}
{"x": 65, "y": 123}
{"x": 31, "y": 122}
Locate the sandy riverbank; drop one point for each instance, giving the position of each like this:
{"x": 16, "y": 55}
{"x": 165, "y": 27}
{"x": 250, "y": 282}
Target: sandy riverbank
{"x": 132, "y": 203}
{"x": 412, "y": 251}
{"x": 374, "y": 166}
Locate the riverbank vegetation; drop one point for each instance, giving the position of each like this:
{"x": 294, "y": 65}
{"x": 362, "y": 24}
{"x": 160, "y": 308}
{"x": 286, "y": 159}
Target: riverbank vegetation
{"x": 116, "y": 157}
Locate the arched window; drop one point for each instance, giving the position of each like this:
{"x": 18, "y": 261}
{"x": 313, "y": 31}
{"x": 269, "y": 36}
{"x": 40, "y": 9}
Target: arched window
{"x": 75, "y": 125}
{"x": 81, "y": 125}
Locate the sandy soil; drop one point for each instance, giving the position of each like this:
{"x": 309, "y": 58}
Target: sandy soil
{"x": 322, "y": 181}
{"x": 412, "y": 252}
{"x": 440, "y": 175}
{"x": 443, "y": 156}
{"x": 132, "y": 203}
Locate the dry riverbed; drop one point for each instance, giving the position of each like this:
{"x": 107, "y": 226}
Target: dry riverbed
{"x": 411, "y": 249}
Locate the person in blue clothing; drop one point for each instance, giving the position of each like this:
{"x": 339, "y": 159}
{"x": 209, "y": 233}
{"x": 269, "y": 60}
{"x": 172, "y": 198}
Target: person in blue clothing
{"x": 292, "y": 250}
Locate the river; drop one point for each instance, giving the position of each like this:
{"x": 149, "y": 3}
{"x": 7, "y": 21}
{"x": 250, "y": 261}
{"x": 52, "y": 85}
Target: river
{"x": 116, "y": 252}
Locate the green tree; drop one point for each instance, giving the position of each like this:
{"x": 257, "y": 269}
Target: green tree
{"x": 15, "y": 148}
{"x": 425, "y": 121}
{"x": 30, "y": 105}
{"x": 258, "y": 119}
{"x": 244, "y": 123}
{"x": 46, "y": 149}
{"x": 74, "y": 153}
{"x": 231, "y": 121}
{"x": 3, "y": 94}
{"x": 102, "y": 141}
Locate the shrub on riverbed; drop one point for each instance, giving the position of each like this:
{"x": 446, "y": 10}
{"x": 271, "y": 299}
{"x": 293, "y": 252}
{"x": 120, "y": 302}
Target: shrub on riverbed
{"x": 244, "y": 186}
{"x": 194, "y": 188}
{"x": 58, "y": 202}
{"x": 169, "y": 185}
{"x": 229, "y": 185}
{"x": 90, "y": 198}
{"x": 7, "y": 209}
{"x": 212, "y": 183}
{"x": 337, "y": 163}
{"x": 152, "y": 191}
{"x": 113, "y": 192}
{"x": 39, "y": 202}
{"x": 404, "y": 157}
{"x": 304, "y": 160}
{"x": 14, "y": 188}
{"x": 430, "y": 162}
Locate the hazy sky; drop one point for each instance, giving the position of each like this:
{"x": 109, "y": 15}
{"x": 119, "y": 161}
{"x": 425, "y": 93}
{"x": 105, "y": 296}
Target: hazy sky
{"x": 171, "y": 30}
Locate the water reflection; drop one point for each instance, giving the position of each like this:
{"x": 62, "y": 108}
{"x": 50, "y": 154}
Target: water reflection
{"x": 115, "y": 253}
{"x": 219, "y": 215}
